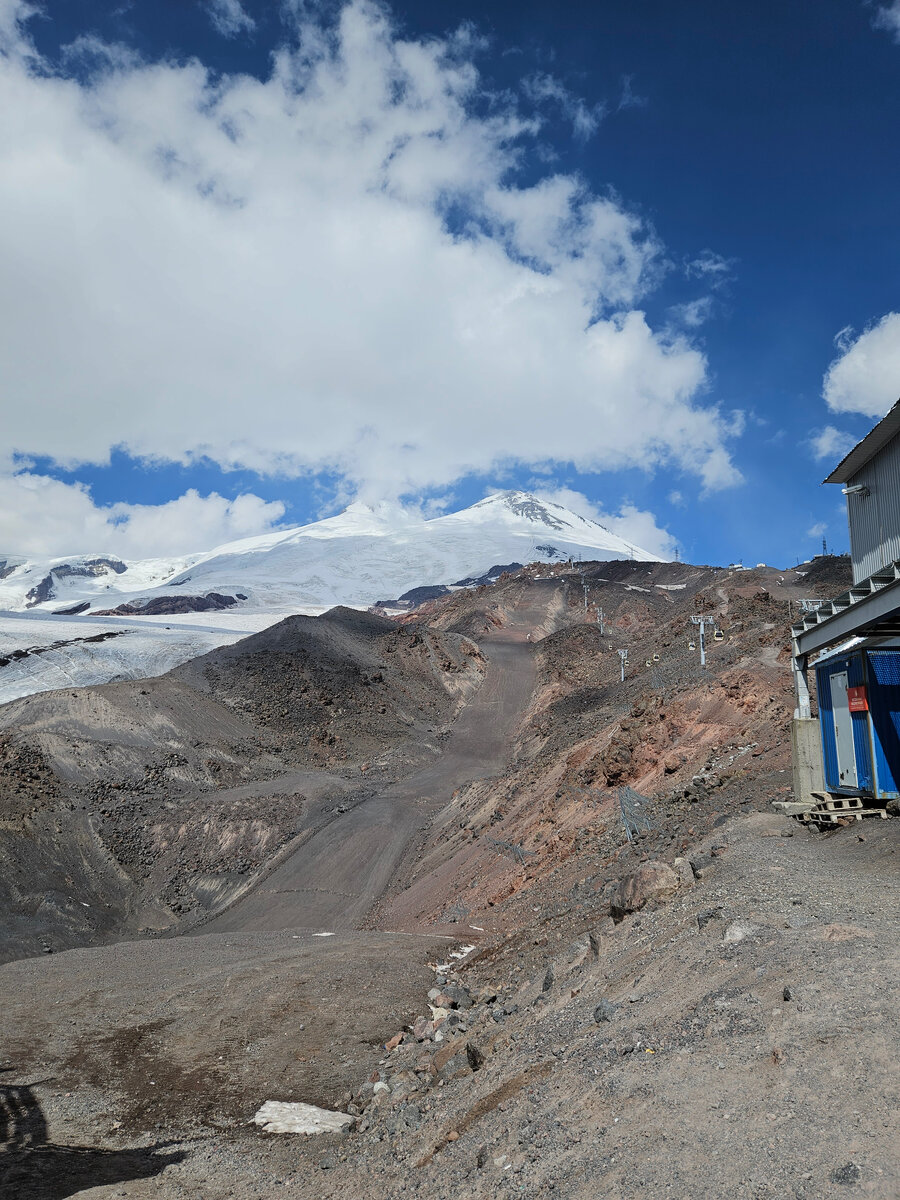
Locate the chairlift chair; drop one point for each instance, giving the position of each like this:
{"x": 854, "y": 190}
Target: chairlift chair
{"x": 656, "y": 658}
{"x": 719, "y": 636}
{"x": 692, "y": 645}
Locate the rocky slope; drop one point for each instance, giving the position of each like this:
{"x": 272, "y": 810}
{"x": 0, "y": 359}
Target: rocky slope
{"x": 131, "y": 806}
{"x": 704, "y": 1010}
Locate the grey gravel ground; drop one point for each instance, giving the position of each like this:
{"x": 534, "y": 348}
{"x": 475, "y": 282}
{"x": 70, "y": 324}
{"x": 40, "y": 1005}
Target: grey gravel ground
{"x": 704, "y": 1080}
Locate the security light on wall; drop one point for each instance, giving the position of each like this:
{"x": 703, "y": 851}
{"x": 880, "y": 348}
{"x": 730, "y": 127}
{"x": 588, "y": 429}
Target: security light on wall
{"x": 856, "y": 489}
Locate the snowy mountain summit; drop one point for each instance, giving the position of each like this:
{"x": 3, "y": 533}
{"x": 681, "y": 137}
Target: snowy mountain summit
{"x": 358, "y": 557}
{"x": 90, "y": 618}
{"x": 368, "y": 554}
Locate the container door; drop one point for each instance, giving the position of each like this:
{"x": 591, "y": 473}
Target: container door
{"x": 843, "y": 730}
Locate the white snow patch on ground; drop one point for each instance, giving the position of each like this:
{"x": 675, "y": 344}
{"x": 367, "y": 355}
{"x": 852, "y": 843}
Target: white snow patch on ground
{"x": 458, "y": 954}
{"x": 278, "y": 1116}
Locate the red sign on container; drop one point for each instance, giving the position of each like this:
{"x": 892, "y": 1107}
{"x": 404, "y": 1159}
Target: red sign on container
{"x": 857, "y": 700}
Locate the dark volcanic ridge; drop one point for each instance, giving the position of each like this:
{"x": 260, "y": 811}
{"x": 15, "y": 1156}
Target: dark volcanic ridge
{"x": 132, "y": 805}
{"x": 157, "y": 606}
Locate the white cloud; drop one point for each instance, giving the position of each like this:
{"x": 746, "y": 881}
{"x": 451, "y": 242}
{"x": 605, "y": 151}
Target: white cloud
{"x": 629, "y": 98}
{"x": 585, "y": 118}
{"x": 816, "y": 531}
{"x": 13, "y": 14}
{"x": 40, "y": 515}
{"x": 832, "y": 443}
{"x": 865, "y": 377}
{"x": 634, "y": 525}
{"x": 676, "y": 498}
{"x": 229, "y": 17}
{"x": 693, "y": 314}
{"x": 714, "y": 269}
{"x": 887, "y": 16}
{"x": 333, "y": 268}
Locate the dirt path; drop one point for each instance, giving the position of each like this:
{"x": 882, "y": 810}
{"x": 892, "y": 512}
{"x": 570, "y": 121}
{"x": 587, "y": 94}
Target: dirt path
{"x": 334, "y": 879}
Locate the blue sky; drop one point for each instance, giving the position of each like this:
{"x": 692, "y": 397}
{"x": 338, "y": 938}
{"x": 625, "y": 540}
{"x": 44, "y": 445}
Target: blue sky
{"x": 640, "y": 257}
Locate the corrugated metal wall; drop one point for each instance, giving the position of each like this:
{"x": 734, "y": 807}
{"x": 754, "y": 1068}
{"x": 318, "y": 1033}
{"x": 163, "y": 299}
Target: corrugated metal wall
{"x": 884, "y": 703}
{"x": 875, "y": 519}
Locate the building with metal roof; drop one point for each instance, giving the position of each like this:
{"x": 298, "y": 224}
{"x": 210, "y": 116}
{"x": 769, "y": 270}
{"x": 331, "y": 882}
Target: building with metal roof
{"x": 858, "y": 633}
{"x": 870, "y": 474}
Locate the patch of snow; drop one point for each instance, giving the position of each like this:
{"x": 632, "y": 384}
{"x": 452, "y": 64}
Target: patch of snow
{"x": 278, "y": 1116}
{"x": 460, "y": 953}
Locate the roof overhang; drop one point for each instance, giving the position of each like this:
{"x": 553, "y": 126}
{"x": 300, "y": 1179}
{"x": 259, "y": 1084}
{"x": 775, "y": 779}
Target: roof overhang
{"x": 875, "y": 440}
{"x": 870, "y": 608}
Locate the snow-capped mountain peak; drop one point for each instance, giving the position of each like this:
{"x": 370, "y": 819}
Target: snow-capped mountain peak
{"x": 90, "y": 618}
{"x": 363, "y": 554}
{"x": 541, "y": 512}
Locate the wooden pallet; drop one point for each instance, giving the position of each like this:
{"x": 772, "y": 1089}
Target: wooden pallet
{"x": 822, "y": 810}
{"x": 819, "y": 817}
{"x": 796, "y": 808}
{"x": 838, "y": 804}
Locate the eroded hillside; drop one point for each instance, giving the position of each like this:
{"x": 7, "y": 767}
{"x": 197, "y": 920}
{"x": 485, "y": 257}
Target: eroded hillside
{"x": 457, "y": 944}
{"x": 134, "y": 806}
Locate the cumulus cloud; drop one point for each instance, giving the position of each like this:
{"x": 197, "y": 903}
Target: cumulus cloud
{"x": 40, "y": 515}
{"x": 634, "y": 525}
{"x": 832, "y": 443}
{"x": 887, "y": 16}
{"x": 229, "y": 17}
{"x": 332, "y": 268}
{"x": 865, "y": 377}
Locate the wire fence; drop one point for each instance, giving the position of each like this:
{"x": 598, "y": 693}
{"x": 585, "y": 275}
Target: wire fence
{"x": 676, "y": 671}
{"x": 635, "y": 810}
{"x": 455, "y": 913}
{"x": 512, "y": 850}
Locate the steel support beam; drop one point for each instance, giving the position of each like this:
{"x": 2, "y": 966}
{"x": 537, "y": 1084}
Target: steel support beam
{"x": 800, "y": 665}
{"x": 858, "y": 618}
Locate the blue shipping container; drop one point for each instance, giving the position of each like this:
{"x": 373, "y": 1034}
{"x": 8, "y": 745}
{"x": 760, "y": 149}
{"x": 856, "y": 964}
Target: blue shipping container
{"x": 861, "y": 750}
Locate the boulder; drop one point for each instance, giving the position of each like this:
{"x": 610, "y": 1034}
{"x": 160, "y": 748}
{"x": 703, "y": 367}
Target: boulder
{"x": 403, "y": 1084}
{"x": 605, "y": 1011}
{"x": 654, "y": 881}
{"x": 423, "y": 1030}
{"x": 458, "y": 995}
{"x": 684, "y": 871}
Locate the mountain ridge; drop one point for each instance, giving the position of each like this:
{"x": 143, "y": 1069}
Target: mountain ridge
{"x": 352, "y": 558}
